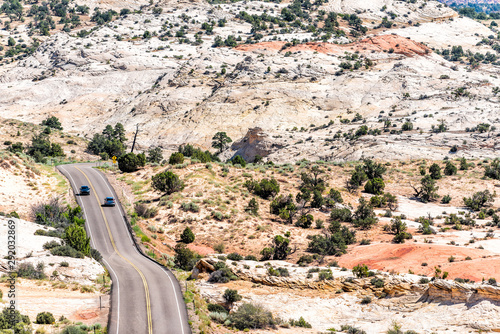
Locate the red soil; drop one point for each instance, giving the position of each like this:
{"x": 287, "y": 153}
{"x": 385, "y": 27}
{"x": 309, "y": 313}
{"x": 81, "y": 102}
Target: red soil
{"x": 404, "y": 257}
{"x": 379, "y": 43}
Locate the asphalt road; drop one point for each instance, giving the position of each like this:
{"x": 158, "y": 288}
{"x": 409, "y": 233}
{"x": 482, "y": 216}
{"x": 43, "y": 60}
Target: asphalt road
{"x": 145, "y": 297}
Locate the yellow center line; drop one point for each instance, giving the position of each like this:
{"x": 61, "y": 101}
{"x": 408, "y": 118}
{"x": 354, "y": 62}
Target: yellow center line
{"x": 146, "y": 289}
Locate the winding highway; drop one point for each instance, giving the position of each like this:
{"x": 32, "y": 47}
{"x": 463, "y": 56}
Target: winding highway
{"x": 145, "y": 297}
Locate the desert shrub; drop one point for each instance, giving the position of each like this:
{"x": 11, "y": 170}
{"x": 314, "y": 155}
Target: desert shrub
{"x": 279, "y": 250}
{"x": 27, "y": 270}
{"x": 73, "y": 330}
{"x": 300, "y": 323}
{"x": 264, "y": 188}
{"x": 144, "y": 211}
{"x": 333, "y": 197}
{"x": 435, "y": 171}
{"x": 364, "y": 216}
{"x": 187, "y": 236}
{"x": 251, "y": 316}
{"x": 361, "y": 270}
{"x": 304, "y": 221}
{"x": 195, "y": 153}
{"x": 167, "y": 182}
{"x": 184, "y": 257}
{"x": 325, "y": 274}
{"x": 428, "y": 189}
{"x": 53, "y": 213}
{"x": 450, "y": 168}
{"x": 252, "y": 207}
{"x": 251, "y": 258}
{"x": 423, "y": 280}
{"x": 478, "y": 200}
{"x": 193, "y": 207}
{"x": 234, "y": 257}
{"x": 493, "y": 169}
{"x": 64, "y": 264}
{"x": 52, "y": 122}
{"x": 219, "y": 248}
{"x": 280, "y": 272}
{"x": 216, "y": 308}
{"x": 111, "y": 141}
{"x": 377, "y": 282}
{"x": 492, "y": 281}
{"x": 41, "y": 147}
{"x": 220, "y": 317}
{"x": 398, "y": 227}
{"x": 238, "y": 160}
{"x": 45, "y": 318}
{"x": 129, "y": 162}
{"x": 333, "y": 243}
{"x": 305, "y": 259}
{"x": 351, "y": 330}
{"x": 217, "y": 215}
{"x": 66, "y": 250}
{"x": 407, "y": 126}
{"x": 446, "y": 199}
{"x": 76, "y": 237}
{"x": 366, "y": 300}
{"x": 51, "y": 244}
{"x": 222, "y": 275}
{"x": 231, "y": 296}
{"x": 176, "y": 158}
{"x": 375, "y": 186}
{"x": 155, "y": 155}
{"x": 341, "y": 215}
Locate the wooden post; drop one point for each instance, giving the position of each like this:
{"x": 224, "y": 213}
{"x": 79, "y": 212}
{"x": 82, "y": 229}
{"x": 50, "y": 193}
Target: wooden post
{"x": 135, "y": 137}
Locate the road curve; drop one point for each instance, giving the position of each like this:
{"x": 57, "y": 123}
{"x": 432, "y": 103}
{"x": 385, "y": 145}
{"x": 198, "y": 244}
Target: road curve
{"x": 145, "y": 298}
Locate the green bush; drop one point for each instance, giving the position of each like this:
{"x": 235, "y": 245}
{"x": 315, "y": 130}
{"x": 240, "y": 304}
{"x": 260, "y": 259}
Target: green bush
{"x": 279, "y": 272}
{"x": 130, "y": 162}
{"x": 341, "y": 215}
{"x": 185, "y": 258}
{"x": 64, "y": 264}
{"x": 167, "y": 182}
{"x": 27, "y": 270}
{"x": 252, "y": 207}
{"x": 41, "y": 147}
{"x": 66, "y": 251}
{"x": 364, "y": 217}
{"x": 231, "y": 296}
{"x": 238, "y": 160}
{"x": 52, "y": 122}
{"x": 222, "y": 274}
{"x": 235, "y": 257}
{"x": 264, "y": 188}
{"x": 446, "y": 199}
{"x": 478, "y": 200}
{"x": 76, "y": 237}
{"x": 251, "y": 316}
{"x": 361, "y": 270}
{"x": 435, "y": 171}
{"x": 176, "y": 158}
{"x": 155, "y": 155}
{"x": 8, "y": 316}
{"x": 377, "y": 282}
{"x": 187, "y": 236}
{"x": 216, "y": 308}
{"x": 450, "y": 168}
{"x": 325, "y": 274}
{"x": 375, "y": 186}
{"x": 73, "y": 330}
{"x": 300, "y": 323}
{"x": 45, "y": 318}
{"x": 51, "y": 244}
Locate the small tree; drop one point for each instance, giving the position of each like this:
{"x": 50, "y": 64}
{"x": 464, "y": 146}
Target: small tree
{"x": 76, "y": 237}
{"x": 364, "y": 217}
{"x": 128, "y": 162}
{"x": 238, "y": 160}
{"x": 167, "y": 182}
{"x": 450, "y": 168}
{"x": 176, "y": 158}
{"x": 187, "y": 236}
{"x": 155, "y": 155}
{"x": 45, "y": 318}
{"x": 375, "y": 186}
{"x": 428, "y": 189}
{"x": 184, "y": 257}
{"x": 52, "y": 122}
{"x": 398, "y": 227}
{"x": 361, "y": 270}
{"x": 435, "y": 171}
{"x": 231, "y": 296}
{"x": 479, "y": 200}
{"x": 253, "y": 207}
{"x": 220, "y": 140}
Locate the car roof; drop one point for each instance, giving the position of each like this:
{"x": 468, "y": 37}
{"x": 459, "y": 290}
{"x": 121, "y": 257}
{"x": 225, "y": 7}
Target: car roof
{"x": 109, "y": 198}
{"x": 84, "y": 186}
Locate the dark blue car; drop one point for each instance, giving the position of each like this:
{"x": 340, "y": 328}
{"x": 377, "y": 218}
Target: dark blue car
{"x": 84, "y": 190}
{"x": 109, "y": 201}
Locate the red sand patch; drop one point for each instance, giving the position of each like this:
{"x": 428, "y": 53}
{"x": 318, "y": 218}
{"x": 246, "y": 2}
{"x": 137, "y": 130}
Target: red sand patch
{"x": 85, "y": 315}
{"x": 402, "y": 258}
{"x": 380, "y": 43}
{"x": 200, "y": 249}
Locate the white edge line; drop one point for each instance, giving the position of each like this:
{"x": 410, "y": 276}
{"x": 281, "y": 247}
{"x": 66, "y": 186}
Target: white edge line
{"x": 108, "y": 265}
{"x": 166, "y": 273}
{"x": 118, "y": 293}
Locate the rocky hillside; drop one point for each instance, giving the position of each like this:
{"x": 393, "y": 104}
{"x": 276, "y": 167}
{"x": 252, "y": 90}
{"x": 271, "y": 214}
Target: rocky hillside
{"x": 317, "y": 84}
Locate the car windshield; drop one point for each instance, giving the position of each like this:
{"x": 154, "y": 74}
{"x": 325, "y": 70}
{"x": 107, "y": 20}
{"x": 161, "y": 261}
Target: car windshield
{"x": 109, "y": 198}
{"x": 85, "y": 187}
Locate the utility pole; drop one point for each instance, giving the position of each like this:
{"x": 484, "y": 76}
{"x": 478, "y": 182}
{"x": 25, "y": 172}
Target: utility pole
{"x": 135, "y": 137}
